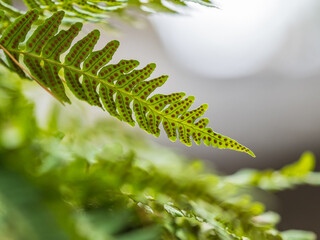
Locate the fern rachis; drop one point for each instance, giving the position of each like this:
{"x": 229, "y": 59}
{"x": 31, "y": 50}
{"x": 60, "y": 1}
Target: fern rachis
{"x": 117, "y": 88}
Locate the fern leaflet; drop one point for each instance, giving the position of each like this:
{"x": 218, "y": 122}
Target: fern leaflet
{"x": 119, "y": 88}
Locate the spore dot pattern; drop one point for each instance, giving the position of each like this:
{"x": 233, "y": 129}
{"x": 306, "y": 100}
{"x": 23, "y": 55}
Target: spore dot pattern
{"x": 122, "y": 90}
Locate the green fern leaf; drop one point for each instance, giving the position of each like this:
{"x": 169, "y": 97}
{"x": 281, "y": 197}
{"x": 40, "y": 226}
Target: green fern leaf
{"x": 32, "y": 4}
{"x": 15, "y": 34}
{"x": 98, "y": 10}
{"x": 2, "y": 15}
{"x": 119, "y": 88}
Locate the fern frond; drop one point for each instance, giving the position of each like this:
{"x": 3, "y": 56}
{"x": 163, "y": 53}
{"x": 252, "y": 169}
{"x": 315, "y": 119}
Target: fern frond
{"x": 120, "y": 88}
{"x": 84, "y": 9}
{"x": 300, "y": 172}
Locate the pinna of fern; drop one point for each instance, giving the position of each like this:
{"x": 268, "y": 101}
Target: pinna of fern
{"x": 120, "y": 88}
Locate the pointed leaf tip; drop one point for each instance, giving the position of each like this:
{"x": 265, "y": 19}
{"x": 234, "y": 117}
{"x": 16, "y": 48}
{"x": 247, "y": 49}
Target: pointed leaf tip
{"x": 251, "y": 154}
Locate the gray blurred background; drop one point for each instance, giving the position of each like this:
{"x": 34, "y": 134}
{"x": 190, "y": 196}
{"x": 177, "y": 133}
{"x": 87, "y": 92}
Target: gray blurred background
{"x": 257, "y": 64}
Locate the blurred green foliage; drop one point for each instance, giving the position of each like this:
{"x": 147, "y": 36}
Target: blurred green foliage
{"x": 105, "y": 182}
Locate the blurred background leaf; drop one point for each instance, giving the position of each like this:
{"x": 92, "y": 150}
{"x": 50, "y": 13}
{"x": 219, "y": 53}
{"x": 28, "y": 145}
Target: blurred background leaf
{"x": 74, "y": 180}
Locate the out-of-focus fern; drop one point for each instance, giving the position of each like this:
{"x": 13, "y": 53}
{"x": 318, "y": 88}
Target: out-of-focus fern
{"x": 287, "y": 177}
{"x": 100, "y": 10}
{"x": 116, "y": 88}
{"x": 9, "y": 9}
{"x": 80, "y": 187}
